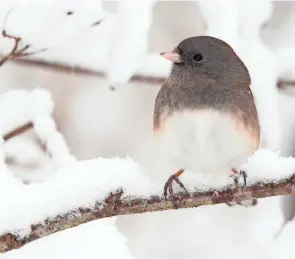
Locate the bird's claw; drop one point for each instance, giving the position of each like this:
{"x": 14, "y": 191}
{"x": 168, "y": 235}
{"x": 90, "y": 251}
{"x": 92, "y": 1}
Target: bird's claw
{"x": 168, "y": 188}
{"x": 236, "y": 176}
{"x": 236, "y": 181}
{"x": 244, "y": 175}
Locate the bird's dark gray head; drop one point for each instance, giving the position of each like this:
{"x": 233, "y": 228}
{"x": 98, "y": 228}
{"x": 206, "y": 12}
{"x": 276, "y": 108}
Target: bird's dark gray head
{"x": 207, "y": 57}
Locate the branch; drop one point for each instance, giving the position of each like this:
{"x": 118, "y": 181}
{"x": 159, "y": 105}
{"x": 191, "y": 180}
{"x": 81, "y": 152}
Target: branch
{"x": 117, "y": 204}
{"x": 64, "y": 68}
{"x": 285, "y": 84}
{"x": 15, "y": 51}
{"x": 18, "y": 131}
{"x": 11, "y": 54}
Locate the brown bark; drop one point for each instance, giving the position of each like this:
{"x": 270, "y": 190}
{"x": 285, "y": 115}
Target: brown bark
{"x": 17, "y": 51}
{"x": 116, "y": 204}
{"x": 18, "y": 131}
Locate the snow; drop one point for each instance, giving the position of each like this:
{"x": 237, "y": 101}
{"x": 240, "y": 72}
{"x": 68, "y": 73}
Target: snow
{"x": 99, "y": 239}
{"x": 14, "y": 110}
{"x": 50, "y": 25}
{"x": 100, "y": 48}
{"x": 129, "y": 39}
{"x": 221, "y": 17}
{"x": 3, "y": 167}
{"x": 266, "y": 165}
{"x": 47, "y": 25}
{"x": 283, "y": 243}
{"x": 44, "y": 125}
{"x": 26, "y": 160}
{"x": 19, "y": 107}
{"x": 91, "y": 179}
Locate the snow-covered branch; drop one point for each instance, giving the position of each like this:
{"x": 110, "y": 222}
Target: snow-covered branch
{"x": 100, "y": 188}
{"x": 114, "y": 205}
{"x": 17, "y": 131}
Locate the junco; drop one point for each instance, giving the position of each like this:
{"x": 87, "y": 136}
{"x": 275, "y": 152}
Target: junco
{"x": 205, "y": 118}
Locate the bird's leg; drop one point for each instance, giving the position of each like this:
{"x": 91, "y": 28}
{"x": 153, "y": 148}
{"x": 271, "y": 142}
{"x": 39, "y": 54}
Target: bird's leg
{"x": 168, "y": 186}
{"x": 244, "y": 174}
{"x": 236, "y": 176}
{"x": 253, "y": 201}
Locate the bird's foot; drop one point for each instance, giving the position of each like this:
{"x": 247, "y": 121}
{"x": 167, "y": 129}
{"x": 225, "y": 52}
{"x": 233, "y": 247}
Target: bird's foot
{"x": 168, "y": 188}
{"x": 236, "y": 175}
{"x": 244, "y": 175}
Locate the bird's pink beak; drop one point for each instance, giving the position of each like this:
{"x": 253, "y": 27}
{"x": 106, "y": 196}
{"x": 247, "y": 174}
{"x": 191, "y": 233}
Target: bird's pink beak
{"x": 172, "y": 56}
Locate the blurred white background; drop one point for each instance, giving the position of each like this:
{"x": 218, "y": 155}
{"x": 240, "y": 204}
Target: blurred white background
{"x": 99, "y": 122}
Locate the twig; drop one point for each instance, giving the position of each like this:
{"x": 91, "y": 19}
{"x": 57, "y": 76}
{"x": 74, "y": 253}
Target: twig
{"x": 286, "y": 84}
{"x": 116, "y": 204}
{"x": 11, "y": 54}
{"x": 15, "y": 51}
{"x": 18, "y": 131}
{"x": 64, "y": 68}
{"x": 97, "y": 22}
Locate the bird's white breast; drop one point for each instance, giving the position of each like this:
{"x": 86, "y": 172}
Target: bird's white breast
{"x": 204, "y": 141}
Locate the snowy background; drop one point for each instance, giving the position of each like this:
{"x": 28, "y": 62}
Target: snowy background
{"x": 93, "y": 45}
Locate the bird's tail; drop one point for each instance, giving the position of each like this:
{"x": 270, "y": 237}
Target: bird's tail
{"x": 247, "y": 203}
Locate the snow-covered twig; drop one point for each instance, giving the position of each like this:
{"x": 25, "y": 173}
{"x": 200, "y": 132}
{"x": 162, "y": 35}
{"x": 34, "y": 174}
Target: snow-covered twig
{"x": 18, "y": 131}
{"x": 33, "y": 110}
{"x": 45, "y": 127}
{"x": 117, "y": 204}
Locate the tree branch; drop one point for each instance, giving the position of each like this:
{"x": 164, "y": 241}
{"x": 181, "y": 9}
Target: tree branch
{"x": 117, "y": 204}
{"x": 65, "y": 68}
{"x": 15, "y": 51}
{"x": 18, "y": 131}
{"x": 285, "y": 84}
{"x": 11, "y": 54}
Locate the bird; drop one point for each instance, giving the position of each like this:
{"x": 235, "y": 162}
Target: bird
{"x": 205, "y": 118}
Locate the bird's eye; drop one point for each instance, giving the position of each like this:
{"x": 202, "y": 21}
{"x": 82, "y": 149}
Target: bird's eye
{"x": 198, "y": 57}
